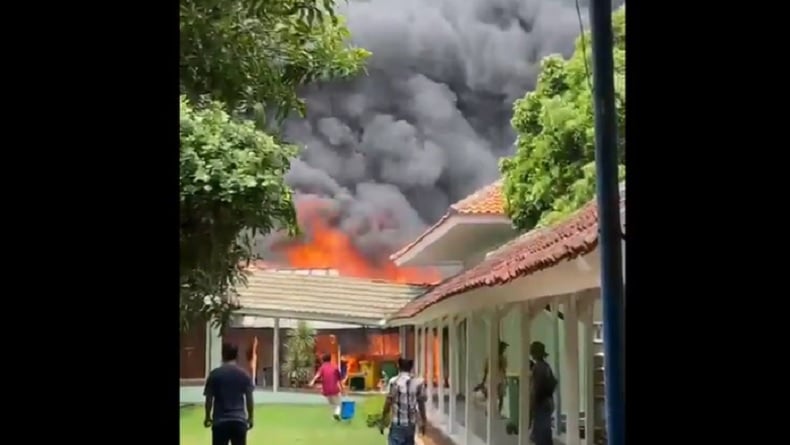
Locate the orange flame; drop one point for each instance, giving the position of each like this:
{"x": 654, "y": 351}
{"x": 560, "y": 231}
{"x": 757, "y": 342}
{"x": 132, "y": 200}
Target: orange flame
{"x": 331, "y": 248}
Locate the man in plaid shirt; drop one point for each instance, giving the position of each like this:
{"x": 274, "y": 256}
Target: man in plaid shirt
{"x": 405, "y": 405}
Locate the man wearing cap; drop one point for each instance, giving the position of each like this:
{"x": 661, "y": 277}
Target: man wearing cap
{"x": 541, "y": 404}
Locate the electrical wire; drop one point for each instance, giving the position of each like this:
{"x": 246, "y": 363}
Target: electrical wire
{"x": 584, "y": 46}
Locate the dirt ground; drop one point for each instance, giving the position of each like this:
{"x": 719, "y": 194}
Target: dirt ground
{"x": 434, "y": 437}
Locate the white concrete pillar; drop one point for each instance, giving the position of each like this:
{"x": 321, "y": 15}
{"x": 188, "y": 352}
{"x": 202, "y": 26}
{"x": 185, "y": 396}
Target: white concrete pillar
{"x": 524, "y": 375}
{"x": 213, "y": 348}
{"x": 417, "y": 346}
{"x": 462, "y": 352}
{"x": 429, "y": 364}
{"x": 492, "y": 406}
{"x": 452, "y": 354}
{"x": 589, "y": 372}
{"x": 276, "y": 356}
{"x": 468, "y": 397}
{"x": 402, "y": 341}
{"x": 571, "y": 380}
{"x": 424, "y": 357}
{"x": 440, "y": 366}
{"x": 555, "y": 314}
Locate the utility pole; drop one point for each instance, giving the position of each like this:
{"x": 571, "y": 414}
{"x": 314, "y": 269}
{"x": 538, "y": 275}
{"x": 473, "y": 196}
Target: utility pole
{"x": 609, "y": 218}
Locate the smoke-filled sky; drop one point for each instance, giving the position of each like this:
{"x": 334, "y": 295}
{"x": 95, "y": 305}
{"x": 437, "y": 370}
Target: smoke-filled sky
{"x": 391, "y": 150}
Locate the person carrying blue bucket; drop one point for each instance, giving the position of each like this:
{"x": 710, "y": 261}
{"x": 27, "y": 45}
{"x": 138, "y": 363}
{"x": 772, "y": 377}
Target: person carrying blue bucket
{"x": 404, "y": 408}
{"x": 331, "y": 384}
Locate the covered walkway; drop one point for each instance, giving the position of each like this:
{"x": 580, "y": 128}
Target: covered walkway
{"x": 543, "y": 285}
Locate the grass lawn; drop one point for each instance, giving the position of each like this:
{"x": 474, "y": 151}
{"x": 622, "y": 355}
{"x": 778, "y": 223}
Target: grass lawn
{"x": 293, "y": 425}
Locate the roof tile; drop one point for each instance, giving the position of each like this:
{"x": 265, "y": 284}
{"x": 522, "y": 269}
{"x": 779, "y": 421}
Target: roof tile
{"x": 534, "y": 251}
{"x": 489, "y": 200}
{"x": 325, "y": 295}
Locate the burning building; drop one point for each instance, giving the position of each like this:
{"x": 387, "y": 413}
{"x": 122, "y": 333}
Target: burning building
{"x": 326, "y": 244}
{"x": 351, "y": 311}
{"x": 324, "y": 274}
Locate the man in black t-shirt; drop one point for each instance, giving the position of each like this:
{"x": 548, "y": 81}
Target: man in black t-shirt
{"x": 228, "y": 392}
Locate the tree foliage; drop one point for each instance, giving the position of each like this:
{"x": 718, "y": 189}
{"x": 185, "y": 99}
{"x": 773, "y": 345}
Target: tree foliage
{"x": 300, "y": 353}
{"x": 552, "y": 172}
{"x": 257, "y": 52}
{"x": 231, "y": 180}
{"x": 237, "y": 57}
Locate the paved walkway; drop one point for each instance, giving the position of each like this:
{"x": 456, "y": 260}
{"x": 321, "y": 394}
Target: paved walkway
{"x": 194, "y": 395}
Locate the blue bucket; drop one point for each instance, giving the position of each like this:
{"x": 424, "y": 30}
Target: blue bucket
{"x": 347, "y": 409}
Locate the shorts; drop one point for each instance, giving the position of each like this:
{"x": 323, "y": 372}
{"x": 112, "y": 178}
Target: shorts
{"x": 333, "y": 400}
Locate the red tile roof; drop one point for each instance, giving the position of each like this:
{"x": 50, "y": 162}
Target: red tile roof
{"x": 534, "y": 251}
{"x": 487, "y": 201}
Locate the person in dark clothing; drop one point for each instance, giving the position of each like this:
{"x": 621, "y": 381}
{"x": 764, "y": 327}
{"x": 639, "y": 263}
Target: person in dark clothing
{"x": 541, "y": 404}
{"x": 228, "y": 392}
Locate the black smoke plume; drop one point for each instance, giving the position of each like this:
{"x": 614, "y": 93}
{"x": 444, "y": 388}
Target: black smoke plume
{"x": 426, "y": 126}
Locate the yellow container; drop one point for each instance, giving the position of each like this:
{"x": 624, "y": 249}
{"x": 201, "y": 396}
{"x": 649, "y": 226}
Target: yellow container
{"x": 366, "y": 367}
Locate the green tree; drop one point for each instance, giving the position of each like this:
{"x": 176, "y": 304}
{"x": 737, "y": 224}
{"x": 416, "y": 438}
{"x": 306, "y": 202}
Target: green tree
{"x": 231, "y": 180}
{"x": 237, "y": 57}
{"x": 552, "y": 172}
{"x": 300, "y": 353}
{"x": 248, "y": 53}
